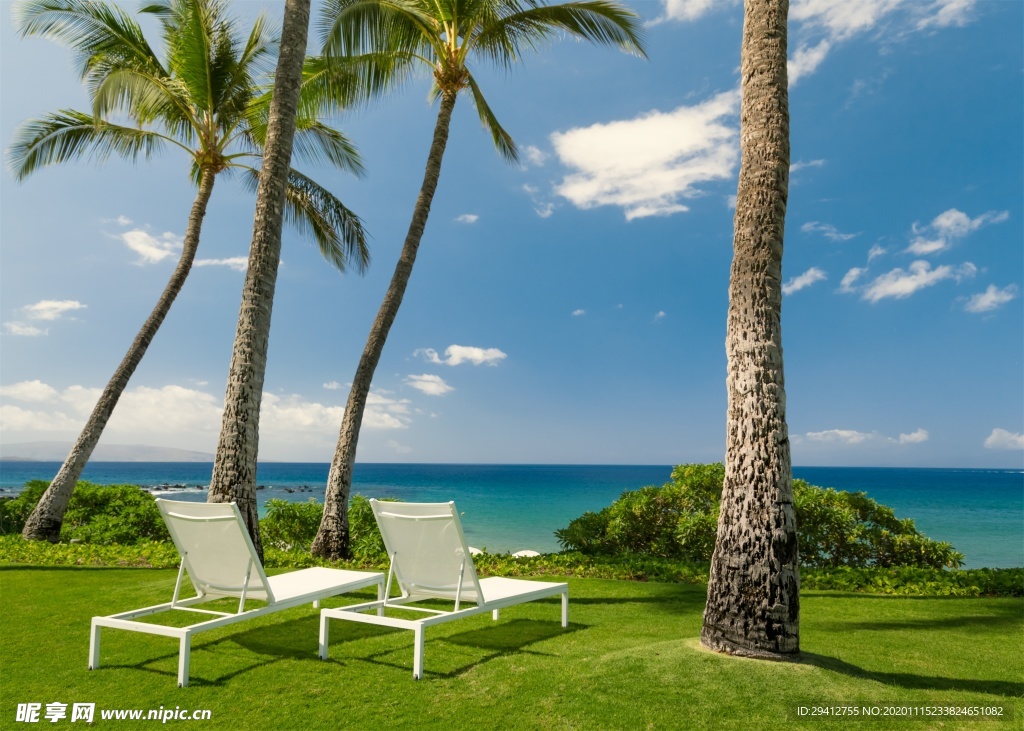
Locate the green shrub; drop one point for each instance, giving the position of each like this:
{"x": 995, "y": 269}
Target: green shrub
{"x": 291, "y": 525}
{"x": 680, "y": 521}
{"x": 98, "y": 514}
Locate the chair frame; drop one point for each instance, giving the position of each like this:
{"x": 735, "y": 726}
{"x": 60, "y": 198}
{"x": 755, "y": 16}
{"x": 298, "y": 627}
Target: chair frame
{"x": 124, "y": 620}
{"x": 354, "y": 612}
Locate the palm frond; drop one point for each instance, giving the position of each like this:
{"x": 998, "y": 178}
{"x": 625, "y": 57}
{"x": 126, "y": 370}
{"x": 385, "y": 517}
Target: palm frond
{"x": 529, "y": 24}
{"x": 315, "y": 211}
{"x": 96, "y": 32}
{"x": 502, "y": 139}
{"x": 357, "y": 27}
{"x": 70, "y": 135}
{"x": 317, "y": 143}
{"x": 146, "y": 98}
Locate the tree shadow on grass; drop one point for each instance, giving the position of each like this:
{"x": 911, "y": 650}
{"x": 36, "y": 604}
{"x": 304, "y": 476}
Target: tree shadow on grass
{"x": 910, "y": 681}
{"x": 1001, "y": 621}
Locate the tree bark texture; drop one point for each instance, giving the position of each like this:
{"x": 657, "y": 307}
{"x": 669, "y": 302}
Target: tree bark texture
{"x": 234, "y": 469}
{"x": 753, "y": 592}
{"x": 48, "y": 516}
{"x": 332, "y": 540}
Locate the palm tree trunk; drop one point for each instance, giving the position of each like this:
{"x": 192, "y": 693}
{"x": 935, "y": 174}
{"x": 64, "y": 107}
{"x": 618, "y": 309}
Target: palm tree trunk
{"x": 234, "y": 468}
{"x": 48, "y": 516}
{"x": 753, "y": 605}
{"x": 332, "y": 540}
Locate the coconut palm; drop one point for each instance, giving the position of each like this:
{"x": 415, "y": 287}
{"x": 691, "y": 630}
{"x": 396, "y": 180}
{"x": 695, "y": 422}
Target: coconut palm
{"x": 208, "y": 98}
{"x": 753, "y": 605}
{"x": 444, "y": 37}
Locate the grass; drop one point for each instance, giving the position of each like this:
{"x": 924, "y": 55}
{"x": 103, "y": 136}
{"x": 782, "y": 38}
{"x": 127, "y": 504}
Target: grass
{"x": 630, "y": 659}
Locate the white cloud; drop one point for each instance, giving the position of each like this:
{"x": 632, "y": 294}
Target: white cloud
{"x": 534, "y": 155}
{"x": 804, "y": 280}
{"x": 850, "y": 278}
{"x": 429, "y": 384}
{"x": 151, "y": 249}
{"x": 648, "y": 164}
{"x": 238, "y": 263}
{"x": 467, "y": 218}
{"x": 991, "y": 299}
{"x": 33, "y": 391}
{"x": 839, "y": 436}
{"x": 875, "y": 252}
{"x": 383, "y": 412}
{"x": 947, "y": 227}
{"x": 660, "y": 315}
{"x": 899, "y": 283}
{"x": 51, "y": 309}
{"x": 332, "y": 385}
{"x": 801, "y": 164}
{"x": 578, "y": 313}
{"x": 123, "y": 220}
{"x": 688, "y": 10}
{"x": 944, "y": 13}
{"x": 399, "y": 448}
{"x": 806, "y": 60}
{"x": 915, "y": 437}
{"x": 20, "y": 328}
{"x": 1002, "y": 439}
{"x": 457, "y": 354}
{"x": 541, "y": 207}
{"x": 827, "y": 230}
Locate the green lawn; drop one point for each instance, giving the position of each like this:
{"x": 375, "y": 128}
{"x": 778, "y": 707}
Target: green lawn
{"x": 630, "y": 659}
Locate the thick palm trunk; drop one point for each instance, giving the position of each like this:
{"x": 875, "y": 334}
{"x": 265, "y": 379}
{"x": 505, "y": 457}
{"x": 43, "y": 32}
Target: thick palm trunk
{"x": 753, "y": 593}
{"x": 332, "y": 540}
{"x": 234, "y": 469}
{"x": 48, "y": 516}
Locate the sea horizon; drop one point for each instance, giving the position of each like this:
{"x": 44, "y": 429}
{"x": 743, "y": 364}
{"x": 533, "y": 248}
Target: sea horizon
{"x": 511, "y": 507}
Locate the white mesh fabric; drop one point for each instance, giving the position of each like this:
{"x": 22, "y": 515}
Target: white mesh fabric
{"x": 217, "y": 553}
{"x": 429, "y": 549}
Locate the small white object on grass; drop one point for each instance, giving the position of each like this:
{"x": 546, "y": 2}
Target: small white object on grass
{"x": 474, "y": 551}
{"x": 525, "y": 554}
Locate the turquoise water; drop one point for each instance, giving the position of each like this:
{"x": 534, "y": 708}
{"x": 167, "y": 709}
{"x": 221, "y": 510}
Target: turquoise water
{"x": 512, "y": 507}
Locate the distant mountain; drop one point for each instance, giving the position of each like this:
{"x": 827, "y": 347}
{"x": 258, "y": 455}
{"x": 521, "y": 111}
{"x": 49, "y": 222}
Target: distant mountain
{"x": 58, "y": 451}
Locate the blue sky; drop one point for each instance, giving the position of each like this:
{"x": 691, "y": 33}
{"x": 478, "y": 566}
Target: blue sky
{"x": 572, "y": 309}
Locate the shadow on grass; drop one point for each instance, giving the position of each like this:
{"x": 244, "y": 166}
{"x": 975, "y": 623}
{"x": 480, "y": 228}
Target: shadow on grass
{"x": 831, "y": 594}
{"x": 914, "y": 682}
{"x": 1009, "y": 619}
{"x": 505, "y": 638}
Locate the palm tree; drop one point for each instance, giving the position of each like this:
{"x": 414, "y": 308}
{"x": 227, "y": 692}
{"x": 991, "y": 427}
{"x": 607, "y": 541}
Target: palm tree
{"x": 239, "y": 437}
{"x": 443, "y": 35}
{"x": 753, "y": 605}
{"x": 206, "y": 98}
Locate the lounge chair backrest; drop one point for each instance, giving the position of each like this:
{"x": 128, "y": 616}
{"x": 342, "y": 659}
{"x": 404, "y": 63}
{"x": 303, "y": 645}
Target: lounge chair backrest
{"x": 216, "y": 549}
{"x": 428, "y": 550}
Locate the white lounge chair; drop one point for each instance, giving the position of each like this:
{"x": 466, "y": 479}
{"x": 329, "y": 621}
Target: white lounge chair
{"x": 430, "y": 560}
{"x": 218, "y": 555}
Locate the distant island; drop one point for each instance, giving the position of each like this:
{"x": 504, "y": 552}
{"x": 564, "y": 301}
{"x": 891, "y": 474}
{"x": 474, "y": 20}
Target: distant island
{"x": 58, "y": 451}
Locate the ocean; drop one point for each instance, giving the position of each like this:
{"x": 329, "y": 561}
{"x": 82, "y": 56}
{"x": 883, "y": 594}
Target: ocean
{"x": 515, "y": 507}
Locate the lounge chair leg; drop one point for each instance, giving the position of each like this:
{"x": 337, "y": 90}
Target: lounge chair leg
{"x": 316, "y": 604}
{"x": 565, "y": 608}
{"x": 494, "y": 615}
{"x": 184, "y": 653}
{"x": 380, "y": 598}
{"x": 323, "y": 636}
{"x": 417, "y": 654}
{"x": 94, "y": 646}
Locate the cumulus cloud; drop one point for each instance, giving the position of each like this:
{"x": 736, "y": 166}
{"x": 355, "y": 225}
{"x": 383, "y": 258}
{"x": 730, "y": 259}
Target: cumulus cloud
{"x": 467, "y": 218}
{"x": 429, "y": 384}
{"x": 947, "y": 228}
{"x": 899, "y": 283}
{"x": 801, "y": 164}
{"x": 991, "y": 299}
{"x": 238, "y": 263}
{"x": 827, "y": 230}
{"x": 579, "y": 313}
{"x": 839, "y": 436}
{"x": 32, "y": 391}
{"x": 151, "y": 249}
{"x": 332, "y": 385}
{"x": 850, "y": 279}
{"x": 457, "y": 354}
{"x": 915, "y": 437}
{"x": 20, "y": 328}
{"x": 1004, "y": 440}
{"x": 649, "y": 164}
{"x": 533, "y": 155}
{"x": 687, "y": 10}
{"x": 804, "y": 280}
{"x": 51, "y": 309}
